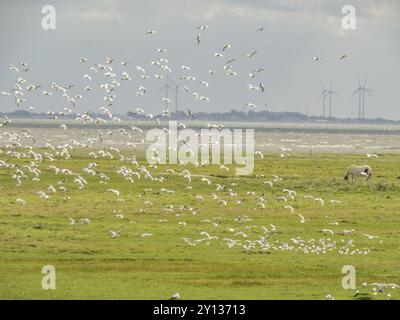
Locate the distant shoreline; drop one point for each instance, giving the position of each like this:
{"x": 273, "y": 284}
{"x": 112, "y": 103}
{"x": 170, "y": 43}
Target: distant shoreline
{"x": 312, "y": 127}
{"x": 234, "y": 116}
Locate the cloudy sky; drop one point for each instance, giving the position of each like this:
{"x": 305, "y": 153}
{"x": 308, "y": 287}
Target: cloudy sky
{"x": 295, "y": 31}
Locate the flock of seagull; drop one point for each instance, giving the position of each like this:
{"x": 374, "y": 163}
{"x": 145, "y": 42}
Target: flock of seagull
{"x": 113, "y": 79}
{"x": 230, "y": 232}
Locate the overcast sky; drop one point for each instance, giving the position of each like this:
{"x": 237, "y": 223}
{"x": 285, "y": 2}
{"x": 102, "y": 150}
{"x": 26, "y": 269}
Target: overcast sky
{"x": 296, "y": 30}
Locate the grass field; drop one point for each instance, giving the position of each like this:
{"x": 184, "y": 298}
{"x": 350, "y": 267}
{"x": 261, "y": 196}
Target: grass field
{"x": 91, "y": 264}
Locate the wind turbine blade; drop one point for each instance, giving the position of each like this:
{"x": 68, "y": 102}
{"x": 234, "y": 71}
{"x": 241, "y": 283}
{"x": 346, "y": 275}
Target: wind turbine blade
{"x": 365, "y": 81}
{"x": 369, "y": 91}
{"x": 359, "y": 82}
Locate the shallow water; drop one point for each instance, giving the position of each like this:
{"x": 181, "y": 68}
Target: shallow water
{"x": 270, "y": 137}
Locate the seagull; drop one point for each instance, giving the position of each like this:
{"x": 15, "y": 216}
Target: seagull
{"x": 5, "y": 122}
{"x": 146, "y": 235}
{"x": 258, "y": 153}
{"x": 252, "y": 87}
{"x": 344, "y": 232}
{"x": 327, "y": 231}
{"x": 226, "y": 46}
{"x": 125, "y": 76}
{"x": 198, "y": 38}
{"x": 14, "y": 68}
{"x": 344, "y": 56}
{"x": 370, "y": 237}
{"x": 151, "y": 32}
{"x": 115, "y": 234}
{"x": 317, "y": 58}
{"x": 116, "y": 192}
{"x": 221, "y": 202}
{"x": 320, "y": 200}
{"x": 32, "y": 87}
{"x": 250, "y": 105}
{"x": 251, "y": 54}
{"x": 261, "y": 29}
{"x": 204, "y": 233}
{"x": 282, "y": 198}
{"x": 175, "y": 296}
{"x": 372, "y": 155}
{"x": 241, "y": 233}
{"x": 139, "y": 68}
{"x": 260, "y": 205}
{"x": 302, "y": 219}
{"x": 290, "y": 208}
{"x": 190, "y": 113}
{"x": 261, "y": 85}
{"x": 20, "y": 201}
{"x": 166, "y": 100}
{"x": 269, "y": 183}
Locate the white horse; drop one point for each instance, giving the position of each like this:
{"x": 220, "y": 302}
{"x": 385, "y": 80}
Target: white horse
{"x": 354, "y": 171}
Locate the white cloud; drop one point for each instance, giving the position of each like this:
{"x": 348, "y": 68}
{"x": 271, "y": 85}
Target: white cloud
{"x": 97, "y": 12}
{"x": 99, "y": 15}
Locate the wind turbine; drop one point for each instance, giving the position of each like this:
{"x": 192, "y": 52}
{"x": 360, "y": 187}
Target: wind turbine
{"x": 331, "y": 93}
{"x": 167, "y": 87}
{"x": 175, "y": 87}
{"x": 323, "y": 97}
{"x": 361, "y": 90}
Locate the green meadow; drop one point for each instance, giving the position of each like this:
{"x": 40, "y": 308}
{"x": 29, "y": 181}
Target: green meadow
{"x": 90, "y": 264}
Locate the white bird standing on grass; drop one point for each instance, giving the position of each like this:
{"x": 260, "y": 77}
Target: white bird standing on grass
{"x": 302, "y": 219}
{"x": 290, "y": 208}
{"x": 114, "y": 191}
{"x": 115, "y": 234}
{"x": 20, "y": 201}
